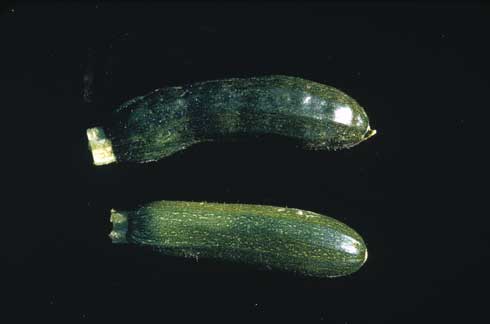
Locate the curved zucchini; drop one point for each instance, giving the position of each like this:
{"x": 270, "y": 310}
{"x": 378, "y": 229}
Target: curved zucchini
{"x": 278, "y": 238}
{"x": 165, "y": 121}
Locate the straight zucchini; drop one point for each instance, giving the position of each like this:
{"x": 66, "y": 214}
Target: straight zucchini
{"x": 279, "y": 238}
{"x": 168, "y": 120}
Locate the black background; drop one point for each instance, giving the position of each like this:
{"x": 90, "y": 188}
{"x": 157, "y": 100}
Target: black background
{"x": 412, "y": 191}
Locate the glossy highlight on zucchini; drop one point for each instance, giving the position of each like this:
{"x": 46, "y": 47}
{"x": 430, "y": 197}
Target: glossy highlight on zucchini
{"x": 168, "y": 120}
{"x": 285, "y": 239}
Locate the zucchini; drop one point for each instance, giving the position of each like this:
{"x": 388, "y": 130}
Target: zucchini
{"x": 285, "y": 239}
{"x": 168, "y": 120}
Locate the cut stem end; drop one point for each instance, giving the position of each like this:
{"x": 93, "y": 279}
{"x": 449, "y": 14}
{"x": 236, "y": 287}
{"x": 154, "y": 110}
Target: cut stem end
{"x": 100, "y": 146}
{"x": 119, "y": 227}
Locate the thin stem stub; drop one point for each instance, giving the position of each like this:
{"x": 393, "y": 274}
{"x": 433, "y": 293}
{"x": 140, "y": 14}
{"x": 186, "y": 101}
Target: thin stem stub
{"x": 100, "y": 146}
{"x": 119, "y": 227}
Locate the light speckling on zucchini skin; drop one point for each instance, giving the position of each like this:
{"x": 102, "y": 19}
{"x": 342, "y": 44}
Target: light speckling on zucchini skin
{"x": 280, "y": 238}
{"x": 165, "y": 121}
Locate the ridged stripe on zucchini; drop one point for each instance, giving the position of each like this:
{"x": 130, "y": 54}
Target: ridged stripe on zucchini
{"x": 165, "y": 121}
{"x": 280, "y": 238}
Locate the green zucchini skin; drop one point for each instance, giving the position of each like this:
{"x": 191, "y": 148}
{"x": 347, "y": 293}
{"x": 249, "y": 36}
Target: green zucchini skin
{"x": 279, "y": 238}
{"x": 168, "y": 120}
